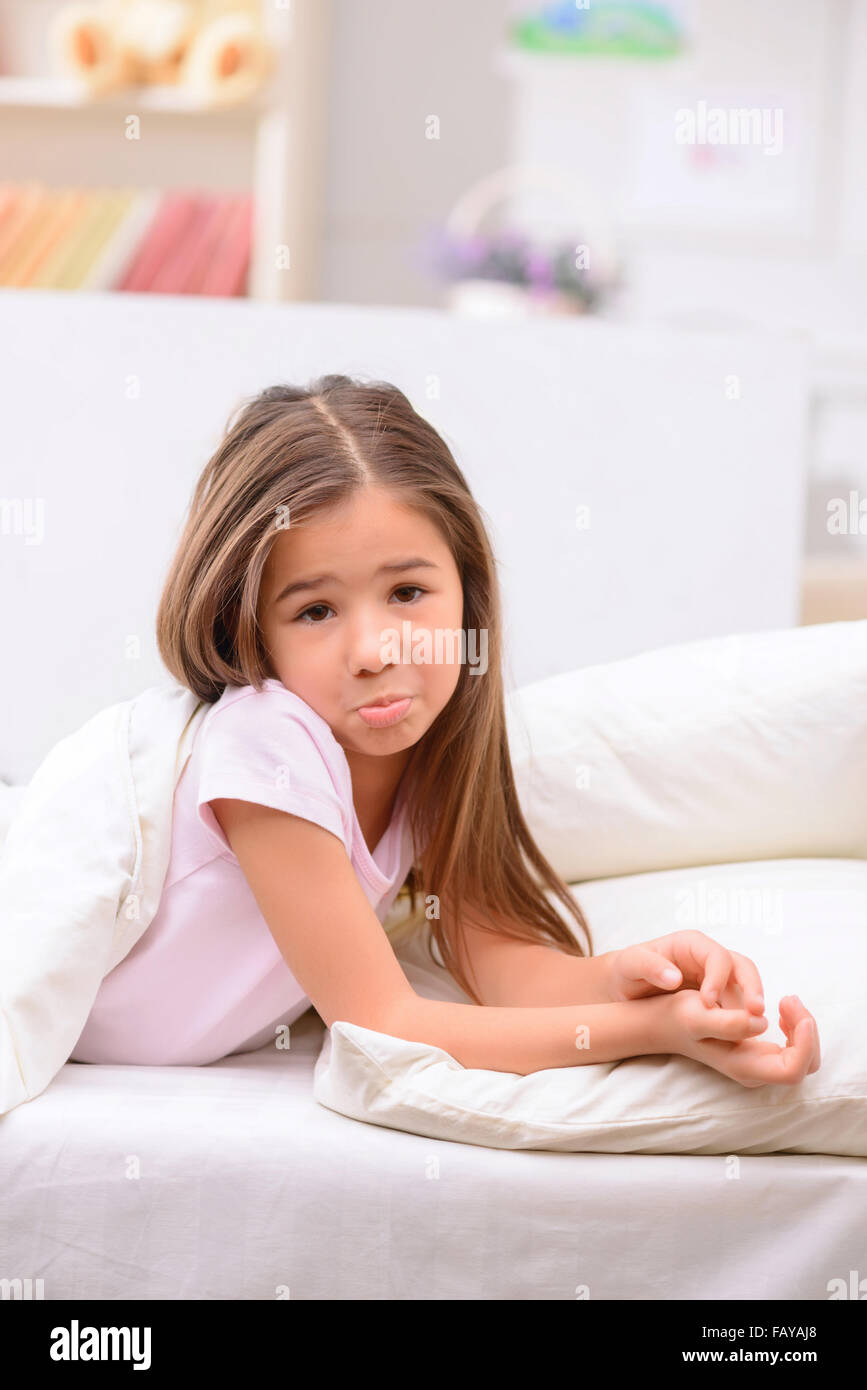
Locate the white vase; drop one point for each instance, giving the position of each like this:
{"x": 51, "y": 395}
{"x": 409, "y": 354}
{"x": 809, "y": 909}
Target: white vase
{"x": 500, "y": 300}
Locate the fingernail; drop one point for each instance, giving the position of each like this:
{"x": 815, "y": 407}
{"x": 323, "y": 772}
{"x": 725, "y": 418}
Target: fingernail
{"x": 759, "y": 1025}
{"x": 669, "y": 976}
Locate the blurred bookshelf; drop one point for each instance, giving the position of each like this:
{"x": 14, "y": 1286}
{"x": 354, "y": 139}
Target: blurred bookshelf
{"x": 210, "y": 199}
{"x": 50, "y": 92}
{"x": 124, "y": 239}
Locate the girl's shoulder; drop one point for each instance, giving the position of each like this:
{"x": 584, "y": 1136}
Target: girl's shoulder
{"x": 272, "y": 701}
{"x": 268, "y": 746}
{"x": 273, "y": 727}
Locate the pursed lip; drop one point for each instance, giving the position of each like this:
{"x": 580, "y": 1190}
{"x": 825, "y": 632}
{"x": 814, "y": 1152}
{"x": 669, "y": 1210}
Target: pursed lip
{"x": 388, "y": 699}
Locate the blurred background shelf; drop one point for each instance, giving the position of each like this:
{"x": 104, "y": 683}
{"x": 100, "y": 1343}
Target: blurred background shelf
{"x": 50, "y": 93}
{"x": 383, "y": 117}
{"x": 270, "y": 148}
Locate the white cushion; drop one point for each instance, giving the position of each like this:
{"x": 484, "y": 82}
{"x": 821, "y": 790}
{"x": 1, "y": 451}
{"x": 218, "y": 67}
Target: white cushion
{"x": 803, "y": 922}
{"x": 746, "y": 747}
{"x": 10, "y": 796}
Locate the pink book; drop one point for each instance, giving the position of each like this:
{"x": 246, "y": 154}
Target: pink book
{"x": 227, "y": 273}
{"x": 210, "y": 244}
{"x": 173, "y": 217}
{"x": 180, "y": 262}
{"x": 9, "y": 196}
{"x": 24, "y": 205}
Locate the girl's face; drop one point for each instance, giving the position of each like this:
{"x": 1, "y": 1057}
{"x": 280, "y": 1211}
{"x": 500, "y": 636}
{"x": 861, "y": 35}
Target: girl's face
{"x": 328, "y": 641}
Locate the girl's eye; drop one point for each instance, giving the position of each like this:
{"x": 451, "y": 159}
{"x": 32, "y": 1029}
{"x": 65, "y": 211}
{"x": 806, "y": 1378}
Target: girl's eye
{"x": 302, "y": 617}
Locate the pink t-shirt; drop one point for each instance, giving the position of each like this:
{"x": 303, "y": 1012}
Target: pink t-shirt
{"x": 206, "y": 978}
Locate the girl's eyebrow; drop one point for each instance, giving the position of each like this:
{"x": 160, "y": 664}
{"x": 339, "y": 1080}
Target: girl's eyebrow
{"x": 413, "y": 563}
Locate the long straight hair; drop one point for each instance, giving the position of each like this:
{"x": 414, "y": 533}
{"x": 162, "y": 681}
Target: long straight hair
{"x": 308, "y": 449}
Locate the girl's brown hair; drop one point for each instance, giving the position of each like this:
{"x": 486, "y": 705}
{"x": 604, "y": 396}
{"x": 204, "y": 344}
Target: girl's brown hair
{"x": 297, "y": 451}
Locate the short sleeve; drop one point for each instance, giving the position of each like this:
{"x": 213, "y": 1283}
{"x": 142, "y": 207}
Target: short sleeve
{"x": 261, "y": 747}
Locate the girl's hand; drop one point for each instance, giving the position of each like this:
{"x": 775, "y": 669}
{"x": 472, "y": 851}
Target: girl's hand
{"x": 725, "y": 1039}
{"x": 686, "y": 960}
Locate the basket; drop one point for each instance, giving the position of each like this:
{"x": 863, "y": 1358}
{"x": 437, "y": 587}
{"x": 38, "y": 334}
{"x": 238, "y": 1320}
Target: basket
{"x": 487, "y": 297}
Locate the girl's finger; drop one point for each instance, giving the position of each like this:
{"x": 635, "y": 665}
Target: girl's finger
{"x": 656, "y": 969}
{"x": 732, "y": 1025}
{"x": 733, "y": 996}
{"x": 796, "y": 1056}
{"x": 792, "y": 1012}
{"x": 664, "y": 971}
{"x": 785, "y": 1065}
{"x": 747, "y": 975}
{"x": 718, "y": 966}
{"x": 680, "y": 955}
{"x": 817, "y": 1050}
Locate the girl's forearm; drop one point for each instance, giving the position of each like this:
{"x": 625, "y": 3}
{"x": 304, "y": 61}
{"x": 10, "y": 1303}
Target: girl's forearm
{"x": 527, "y": 1039}
{"x": 542, "y": 976}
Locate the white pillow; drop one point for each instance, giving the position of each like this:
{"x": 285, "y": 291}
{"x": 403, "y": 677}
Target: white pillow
{"x": 10, "y": 796}
{"x": 746, "y": 747}
{"x": 803, "y": 922}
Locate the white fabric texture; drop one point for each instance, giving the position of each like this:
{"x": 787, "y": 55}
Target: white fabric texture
{"x": 803, "y": 922}
{"x": 752, "y": 746}
{"x": 93, "y": 830}
{"x": 10, "y": 799}
{"x": 82, "y": 867}
{"x": 244, "y": 1187}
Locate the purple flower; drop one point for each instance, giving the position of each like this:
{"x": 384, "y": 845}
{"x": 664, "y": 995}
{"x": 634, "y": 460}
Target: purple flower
{"x": 472, "y": 252}
{"x": 514, "y": 241}
{"x": 539, "y": 270}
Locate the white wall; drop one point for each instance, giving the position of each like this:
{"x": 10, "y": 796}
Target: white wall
{"x": 395, "y": 63}
{"x": 800, "y": 266}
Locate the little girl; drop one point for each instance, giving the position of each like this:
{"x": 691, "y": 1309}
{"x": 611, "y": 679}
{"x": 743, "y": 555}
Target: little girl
{"x": 333, "y": 572}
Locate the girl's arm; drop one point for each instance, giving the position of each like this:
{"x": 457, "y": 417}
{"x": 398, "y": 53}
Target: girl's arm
{"x": 525, "y": 1039}
{"x": 518, "y": 974}
{"x": 334, "y": 944}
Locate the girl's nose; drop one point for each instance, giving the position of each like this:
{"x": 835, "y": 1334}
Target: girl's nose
{"x": 369, "y": 645}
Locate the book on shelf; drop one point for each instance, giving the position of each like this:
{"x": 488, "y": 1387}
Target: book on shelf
{"x": 140, "y": 240}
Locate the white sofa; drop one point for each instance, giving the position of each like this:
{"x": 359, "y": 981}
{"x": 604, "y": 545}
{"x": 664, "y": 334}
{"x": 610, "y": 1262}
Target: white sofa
{"x": 231, "y": 1181}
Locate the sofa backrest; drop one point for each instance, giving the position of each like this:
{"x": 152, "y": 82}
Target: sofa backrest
{"x": 643, "y": 486}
